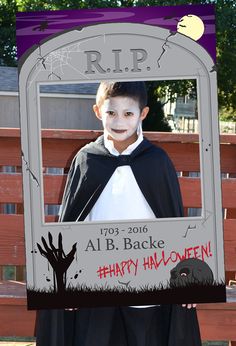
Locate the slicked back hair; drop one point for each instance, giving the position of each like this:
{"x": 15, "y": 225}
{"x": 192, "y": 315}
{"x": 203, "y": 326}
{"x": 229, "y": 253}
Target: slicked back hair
{"x": 134, "y": 90}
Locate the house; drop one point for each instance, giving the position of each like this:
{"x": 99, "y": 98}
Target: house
{"x": 61, "y": 106}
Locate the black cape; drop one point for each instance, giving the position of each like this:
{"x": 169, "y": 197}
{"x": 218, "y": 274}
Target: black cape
{"x": 89, "y": 173}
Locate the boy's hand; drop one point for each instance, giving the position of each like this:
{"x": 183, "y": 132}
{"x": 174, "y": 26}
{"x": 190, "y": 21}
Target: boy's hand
{"x": 189, "y": 306}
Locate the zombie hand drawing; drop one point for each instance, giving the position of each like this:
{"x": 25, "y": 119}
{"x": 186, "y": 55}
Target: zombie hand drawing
{"x": 191, "y": 271}
{"x": 59, "y": 261}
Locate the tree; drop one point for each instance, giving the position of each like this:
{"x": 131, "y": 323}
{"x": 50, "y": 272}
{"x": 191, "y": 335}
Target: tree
{"x": 7, "y": 37}
{"x": 160, "y": 93}
{"x": 156, "y": 120}
{"x": 226, "y": 57}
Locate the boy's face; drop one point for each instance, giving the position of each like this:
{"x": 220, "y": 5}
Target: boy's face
{"x": 121, "y": 117}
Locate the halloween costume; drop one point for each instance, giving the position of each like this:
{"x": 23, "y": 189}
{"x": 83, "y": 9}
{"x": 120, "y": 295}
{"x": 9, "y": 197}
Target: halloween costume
{"x": 93, "y": 166}
{"x": 166, "y": 325}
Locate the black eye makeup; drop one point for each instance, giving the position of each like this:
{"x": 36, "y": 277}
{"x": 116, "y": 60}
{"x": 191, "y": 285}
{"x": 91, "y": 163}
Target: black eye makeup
{"x": 128, "y": 114}
{"x": 111, "y": 113}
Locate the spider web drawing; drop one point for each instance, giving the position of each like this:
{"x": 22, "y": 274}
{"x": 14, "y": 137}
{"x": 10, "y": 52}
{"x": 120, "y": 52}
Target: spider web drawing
{"x": 56, "y": 61}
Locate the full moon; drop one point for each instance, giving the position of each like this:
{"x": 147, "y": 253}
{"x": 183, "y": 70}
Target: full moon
{"x": 191, "y": 26}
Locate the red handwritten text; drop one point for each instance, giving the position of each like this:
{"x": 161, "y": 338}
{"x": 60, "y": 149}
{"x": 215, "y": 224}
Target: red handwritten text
{"x": 118, "y": 269}
{"x": 154, "y": 261}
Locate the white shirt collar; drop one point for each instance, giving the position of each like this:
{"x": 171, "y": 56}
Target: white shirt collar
{"x": 110, "y": 146}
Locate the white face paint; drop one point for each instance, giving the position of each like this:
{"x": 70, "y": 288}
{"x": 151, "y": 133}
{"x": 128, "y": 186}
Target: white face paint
{"x": 120, "y": 117}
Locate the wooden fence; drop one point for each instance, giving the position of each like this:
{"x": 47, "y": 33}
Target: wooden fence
{"x": 217, "y": 321}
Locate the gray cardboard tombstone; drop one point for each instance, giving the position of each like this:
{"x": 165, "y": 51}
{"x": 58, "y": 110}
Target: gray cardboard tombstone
{"x": 121, "y": 52}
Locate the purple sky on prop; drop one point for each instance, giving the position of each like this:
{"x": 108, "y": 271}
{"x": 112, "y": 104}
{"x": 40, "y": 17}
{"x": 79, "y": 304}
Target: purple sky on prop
{"x": 33, "y": 27}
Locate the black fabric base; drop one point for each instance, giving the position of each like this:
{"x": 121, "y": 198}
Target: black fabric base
{"x": 166, "y": 325}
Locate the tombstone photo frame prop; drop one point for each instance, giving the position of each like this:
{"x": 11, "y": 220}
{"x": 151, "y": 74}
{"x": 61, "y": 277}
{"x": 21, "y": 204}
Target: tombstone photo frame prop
{"x": 134, "y": 262}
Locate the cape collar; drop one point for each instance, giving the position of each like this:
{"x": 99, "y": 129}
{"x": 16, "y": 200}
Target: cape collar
{"x": 98, "y": 148}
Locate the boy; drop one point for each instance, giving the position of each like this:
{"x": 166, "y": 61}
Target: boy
{"x": 120, "y": 176}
